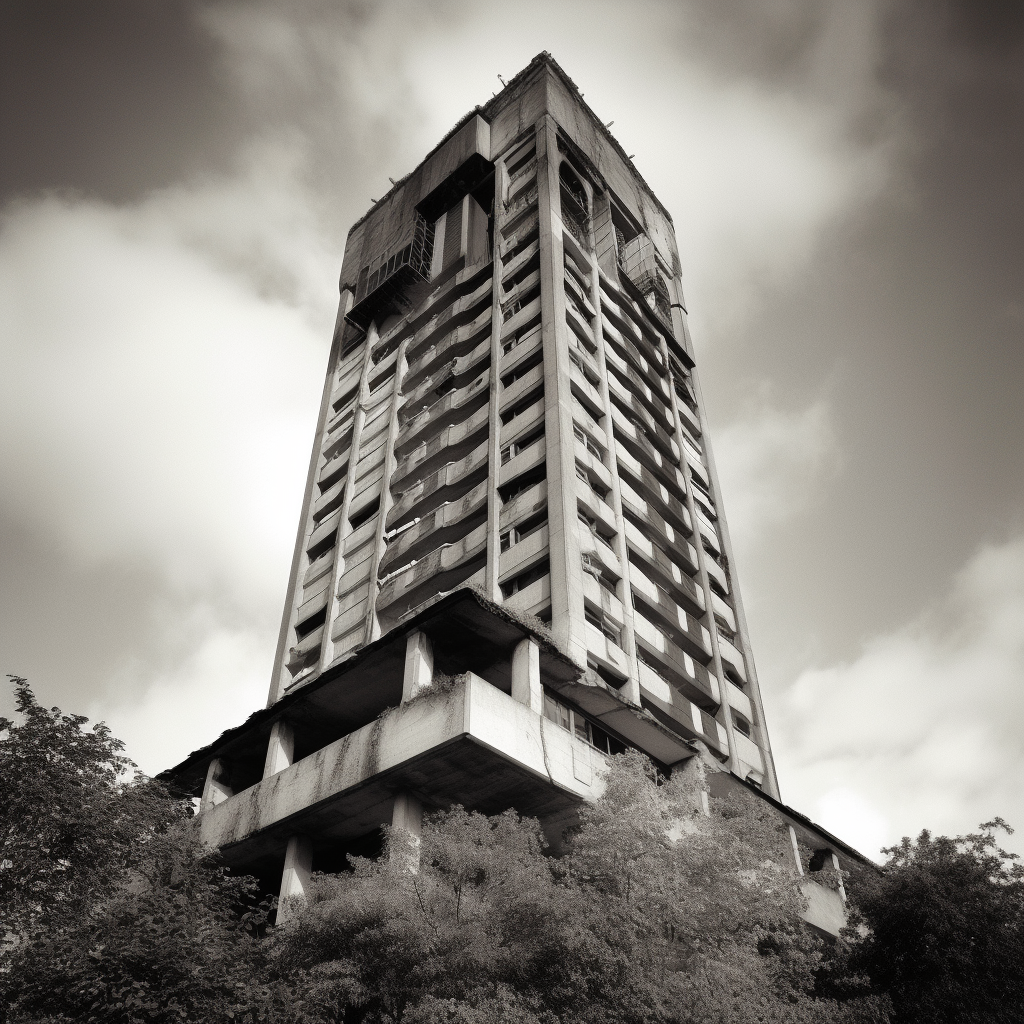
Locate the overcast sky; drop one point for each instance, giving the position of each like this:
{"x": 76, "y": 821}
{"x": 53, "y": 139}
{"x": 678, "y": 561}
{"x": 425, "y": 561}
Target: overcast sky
{"x": 176, "y": 182}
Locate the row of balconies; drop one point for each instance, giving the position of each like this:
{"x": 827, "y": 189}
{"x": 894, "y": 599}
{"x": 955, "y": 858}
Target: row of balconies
{"x": 450, "y": 444}
{"x": 644, "y": 319}
{"x": 451, "y": 408}
{"x": 448, "y": 483}
{"x": 657, "y": 691}
{"x": 470, "y": 311}
{"x": 677, "y": 664}
{"x": 657, "y": 573}
{"x": 518, "y": 236}
{"x": 637, "y": 444}
{"x": 443, "y": 569}
{"x": 441, "y": 526}
{"x": 630, "y": 326}
{"x": 643, "y": 482}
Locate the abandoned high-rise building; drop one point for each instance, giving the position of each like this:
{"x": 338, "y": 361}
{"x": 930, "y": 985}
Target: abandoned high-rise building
{"x": 512, "y": 559}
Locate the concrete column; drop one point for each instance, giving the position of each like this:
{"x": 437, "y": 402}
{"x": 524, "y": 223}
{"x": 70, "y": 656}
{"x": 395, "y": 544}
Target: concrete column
{"x": 839, "y": 876}
{"x": 526, "y": 684}
{"x": 217, "y": 789}
{"x": 568, "y": 621}
{"x": 407, "y": 828}
{"x": 281, "y": 677}
{"x": 796, "y": 850}
{"x": 494, "y": 418}
{"x": 419, "y": 665}
{"x": 298, "y": 866}
{"x": 280, "y": 749}
{"x": 344, "y": 529}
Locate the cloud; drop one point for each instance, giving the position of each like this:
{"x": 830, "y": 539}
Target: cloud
{"x": 772, "y": 465}
{"x": 922, "y": 730}
{"x": 172, "y": 404}
{"x": 213, "y": 676}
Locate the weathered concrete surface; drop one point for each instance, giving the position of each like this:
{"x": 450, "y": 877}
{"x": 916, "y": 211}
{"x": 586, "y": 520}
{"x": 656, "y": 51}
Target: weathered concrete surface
{"x": 468, "y": 743}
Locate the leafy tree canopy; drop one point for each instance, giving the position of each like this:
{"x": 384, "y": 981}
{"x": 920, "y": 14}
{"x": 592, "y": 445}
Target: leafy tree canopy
{"x": 942, "y": 931}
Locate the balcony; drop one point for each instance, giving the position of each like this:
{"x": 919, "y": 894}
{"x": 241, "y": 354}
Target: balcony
{"x": 723, "y": 611}
{"x": 591, "y": 502}
{"x": 453, "y": 443}
{"x": 523, "y": 423}
{"x": 737, "y": 699}
{"x": 454, "y": 407}
{"x": 447, "y": 484}
{"x": 717, "y": 573}
{"x": 441, "y": 526}
{"x": 441, "y": 570}
{"x": 608, "y": 654}
{"x": 731, "y": 657}
{"x": 521, "y": 555}
{"x": 523, "y": 505}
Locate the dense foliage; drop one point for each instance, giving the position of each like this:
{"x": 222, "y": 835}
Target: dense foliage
{"x": 657, "y": 912}
{"x": 944, "y": 931}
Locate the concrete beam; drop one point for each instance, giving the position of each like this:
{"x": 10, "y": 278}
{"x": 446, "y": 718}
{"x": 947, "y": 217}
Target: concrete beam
{"x": 508, "y": 754}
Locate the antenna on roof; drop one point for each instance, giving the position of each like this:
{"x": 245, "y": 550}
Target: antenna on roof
{"x": 609, "y": 124}
{"x": 503, "y": 82}
{"x": 392, "y": 180}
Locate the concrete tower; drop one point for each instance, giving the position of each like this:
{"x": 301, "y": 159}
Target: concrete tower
{"x": 512, "y": 559}
{"x": 512, "y": 404}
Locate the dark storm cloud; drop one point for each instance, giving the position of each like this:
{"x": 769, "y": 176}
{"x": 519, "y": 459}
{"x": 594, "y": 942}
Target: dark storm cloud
{"x": 108, "y": 97}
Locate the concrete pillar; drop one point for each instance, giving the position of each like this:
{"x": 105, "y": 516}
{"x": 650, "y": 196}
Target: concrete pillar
{"x": 407, "y": 827}
{"x": 217, "y": 789}
{"x": 526, "y": 684}
{"x": 298, "y": 866}
{"x": 839, "y": 876}
{"x": 280, "y": 750}
{"x": 419, "y": 665}
{"x": 568, "y": 621}
{"x": 796, "y": 850}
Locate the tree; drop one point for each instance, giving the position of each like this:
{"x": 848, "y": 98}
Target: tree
{"x": 70, "y": 820}
{"x": 112, "y": 910}
{"x": 943, "y": 931}
{"x": 658, "y": 913}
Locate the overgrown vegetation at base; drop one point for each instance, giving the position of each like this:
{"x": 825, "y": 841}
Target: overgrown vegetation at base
{"x": 112, "y": 912}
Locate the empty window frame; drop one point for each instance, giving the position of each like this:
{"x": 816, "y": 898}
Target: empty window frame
{"x": 522, "y": 530}
{"x": 525, "y": 578}
{"x": 520, "y": 444}
{"x": 581, "y": 727}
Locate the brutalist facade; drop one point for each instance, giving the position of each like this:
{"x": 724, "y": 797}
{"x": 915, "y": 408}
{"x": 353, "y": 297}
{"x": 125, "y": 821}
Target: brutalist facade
{"x": 512, "y": 560}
